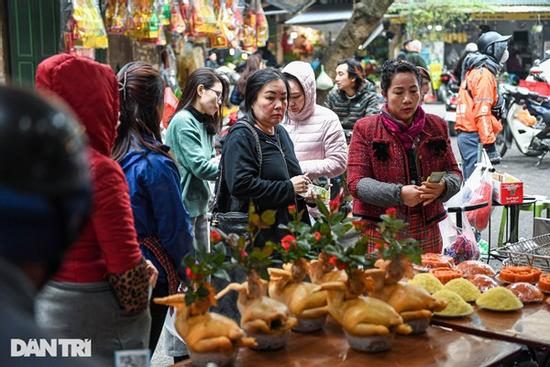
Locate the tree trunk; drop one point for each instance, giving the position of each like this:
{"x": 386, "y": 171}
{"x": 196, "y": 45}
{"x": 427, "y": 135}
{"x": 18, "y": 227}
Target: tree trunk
{"x": 364, "y": 19}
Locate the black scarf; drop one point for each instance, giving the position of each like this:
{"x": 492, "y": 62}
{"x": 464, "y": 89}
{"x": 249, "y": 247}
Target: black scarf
{"x": 204, "y": 118}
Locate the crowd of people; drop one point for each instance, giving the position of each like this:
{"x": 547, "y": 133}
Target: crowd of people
{"x": 113, "y": 208}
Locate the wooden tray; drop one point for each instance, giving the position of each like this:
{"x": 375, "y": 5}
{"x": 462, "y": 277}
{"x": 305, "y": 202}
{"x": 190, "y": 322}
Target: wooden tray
{"x": 437, "y": 347}
{"x": 528, "y": 326}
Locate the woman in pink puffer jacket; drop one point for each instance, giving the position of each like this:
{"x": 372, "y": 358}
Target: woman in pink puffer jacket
{"x": 315, "y": 130}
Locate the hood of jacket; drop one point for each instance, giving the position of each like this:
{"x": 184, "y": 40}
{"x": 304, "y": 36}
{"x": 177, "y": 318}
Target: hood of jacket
{"x": 476, "y": 60}
{"x": 90, "y": 89}
{"x": 305, "y": 75}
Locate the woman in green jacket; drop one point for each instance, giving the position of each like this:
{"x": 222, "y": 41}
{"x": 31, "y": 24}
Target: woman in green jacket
{"x": 190, "y": 136}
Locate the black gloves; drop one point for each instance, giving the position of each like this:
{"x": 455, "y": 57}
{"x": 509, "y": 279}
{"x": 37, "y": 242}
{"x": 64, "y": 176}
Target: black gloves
{"x": 494, "y": 155}
{"x": 498, "y": 108}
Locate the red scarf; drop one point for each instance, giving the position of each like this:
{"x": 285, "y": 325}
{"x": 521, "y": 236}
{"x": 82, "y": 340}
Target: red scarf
{"x": 405, "y": 133}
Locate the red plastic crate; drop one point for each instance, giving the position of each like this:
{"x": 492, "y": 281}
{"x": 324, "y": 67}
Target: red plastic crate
{"x": 538, "y": 87}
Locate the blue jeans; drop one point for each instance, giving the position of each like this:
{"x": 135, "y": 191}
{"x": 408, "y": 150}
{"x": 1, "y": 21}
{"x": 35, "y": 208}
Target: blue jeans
{"x": 468, "y": 145}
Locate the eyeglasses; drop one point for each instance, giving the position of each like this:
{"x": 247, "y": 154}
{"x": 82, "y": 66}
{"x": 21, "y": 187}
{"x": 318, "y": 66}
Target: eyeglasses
{"x": 218, "y": 93}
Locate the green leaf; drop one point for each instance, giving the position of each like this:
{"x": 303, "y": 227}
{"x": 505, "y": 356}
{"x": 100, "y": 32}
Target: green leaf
{"x": 220, "y": 248}
{"x": 322, "y": 207}
{"x": 190, "y": 298}
{"x": 268, "y": 217}
{"x": 255, "y": 219}
{"x": 222, "y": 274}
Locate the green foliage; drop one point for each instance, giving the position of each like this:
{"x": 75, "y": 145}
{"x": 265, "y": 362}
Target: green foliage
{"x": 244, "y": 252}
{"x": 297, "y": 244}
{"x": 197, "y": 272}
{"x": 389, "y": 246}
{"x": 450, "y": 14}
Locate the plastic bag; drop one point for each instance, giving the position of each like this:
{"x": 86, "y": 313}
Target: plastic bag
{"x": 459, "y": 243}
{"x": 324, "y": 82}
{"x": 476, "y": 190}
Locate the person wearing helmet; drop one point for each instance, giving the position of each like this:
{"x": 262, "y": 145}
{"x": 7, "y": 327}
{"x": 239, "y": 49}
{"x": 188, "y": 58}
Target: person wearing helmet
{"x": 413, "y": 54}
{"x": 45, "y": 199}
{"x": 479, "y": 105}
{"x": 457, "y": 72}
{"x": 101, "y": 291}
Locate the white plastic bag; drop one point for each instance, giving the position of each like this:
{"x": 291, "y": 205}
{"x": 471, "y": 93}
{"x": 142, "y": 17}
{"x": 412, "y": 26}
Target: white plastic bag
{"x": 174, "y": 346}
{"x": 324, "y": 82}
{"x": 476, "y": 190}
{"x": 459, "y": 243}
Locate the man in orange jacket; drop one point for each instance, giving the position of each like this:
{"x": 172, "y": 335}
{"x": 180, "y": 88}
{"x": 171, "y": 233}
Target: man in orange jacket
{"x": 479, "y": 105}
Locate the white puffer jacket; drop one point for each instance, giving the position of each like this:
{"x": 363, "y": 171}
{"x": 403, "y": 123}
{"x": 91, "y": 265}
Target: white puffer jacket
{"x": 316, "y": 132}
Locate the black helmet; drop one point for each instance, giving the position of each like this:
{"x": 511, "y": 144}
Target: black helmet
{"x": 488, "y": 44}
{"x": 45, "y": 193}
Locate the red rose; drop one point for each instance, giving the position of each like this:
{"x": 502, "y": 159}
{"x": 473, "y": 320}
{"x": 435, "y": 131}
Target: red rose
{"x": 287, "y": 241}
{"x": 334, "y": 205}
{"x": 341, "y": 266}
{"x": 292, "y": 209}
{"x": 317, "y": 236}
{"x": 215, "y": 237}
{"x": 333, "y": 260}
{"x": 391, "y": 212}
{"x": 190, "y": 275}
{"x": 359, "y": 225}
{"x": 379, "y": 246}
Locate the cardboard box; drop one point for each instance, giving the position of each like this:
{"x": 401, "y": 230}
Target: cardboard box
{"x": 507, "y": 189}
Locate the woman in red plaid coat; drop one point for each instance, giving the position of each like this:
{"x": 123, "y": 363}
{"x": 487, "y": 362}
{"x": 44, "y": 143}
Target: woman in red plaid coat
{"x": 392, "y": 154}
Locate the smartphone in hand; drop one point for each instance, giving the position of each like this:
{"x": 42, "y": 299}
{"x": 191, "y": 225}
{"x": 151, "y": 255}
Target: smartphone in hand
{"x": 436, "y": 177}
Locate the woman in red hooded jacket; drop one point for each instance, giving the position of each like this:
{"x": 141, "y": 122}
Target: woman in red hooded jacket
{"x": 101, "y": 290}
{"x": 392, "y": 154}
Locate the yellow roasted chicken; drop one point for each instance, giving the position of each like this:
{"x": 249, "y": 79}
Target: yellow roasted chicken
{"x": 414, "y": 304}
{"x": 260, "y": 314}
{"x": 360, "y": 315}
{"x": 410, "y": 301}
{"x": 303, "y": 299}
{"x": 205, "y": 332}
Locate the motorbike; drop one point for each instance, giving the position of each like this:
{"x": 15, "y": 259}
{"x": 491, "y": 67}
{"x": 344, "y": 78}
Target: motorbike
{"x": 526, "y": 122}
{"x": 448, "y": 93}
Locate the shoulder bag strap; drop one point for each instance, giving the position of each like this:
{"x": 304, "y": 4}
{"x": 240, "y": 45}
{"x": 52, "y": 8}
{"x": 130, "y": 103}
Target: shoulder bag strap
{"x": 258, "y": 146}
{"x": 220, "y": 181}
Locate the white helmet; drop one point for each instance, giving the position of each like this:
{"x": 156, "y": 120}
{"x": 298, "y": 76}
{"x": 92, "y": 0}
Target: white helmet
{"x": 470, "y": 47}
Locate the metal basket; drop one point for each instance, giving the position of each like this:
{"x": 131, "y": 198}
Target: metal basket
{"x": 533, "y": 252}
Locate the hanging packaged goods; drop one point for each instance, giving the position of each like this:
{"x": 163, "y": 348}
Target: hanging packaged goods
{"x": 177, "y": 21}
{"x": 85, "y": 26}
{"x": 255, "y": 29}
{"x": 203, "y": 17}
{"x": 221, "y": 22}
{"x": 262, "y": 27}
{"x": 144, "y": 22}
{"x": 116, "y": 16}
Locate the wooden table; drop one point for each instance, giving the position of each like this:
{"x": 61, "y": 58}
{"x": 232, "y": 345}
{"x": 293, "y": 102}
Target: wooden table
{"x": 529, "y": 326}
{"x": 437, "y": 347}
